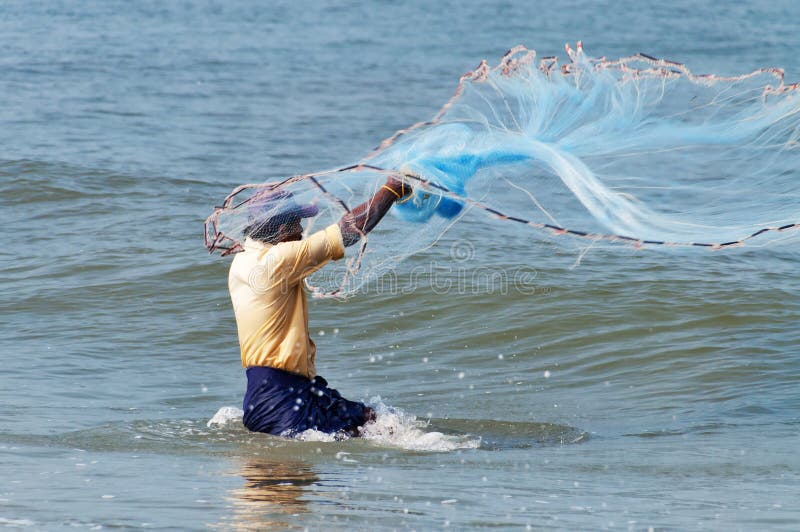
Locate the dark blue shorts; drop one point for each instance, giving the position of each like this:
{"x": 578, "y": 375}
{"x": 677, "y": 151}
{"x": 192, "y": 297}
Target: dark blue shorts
{"x": 282, "y": 403}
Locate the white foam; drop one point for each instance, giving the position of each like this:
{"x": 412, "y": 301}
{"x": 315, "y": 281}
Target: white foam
{"x": 225, "y": 415}
{"x": 315, "y": 435}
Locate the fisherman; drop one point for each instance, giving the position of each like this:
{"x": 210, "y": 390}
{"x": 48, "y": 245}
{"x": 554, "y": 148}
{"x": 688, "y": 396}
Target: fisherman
{"x": 285, "y": 395}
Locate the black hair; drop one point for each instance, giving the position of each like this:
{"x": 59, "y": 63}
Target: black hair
{"x": 267, "y": 230}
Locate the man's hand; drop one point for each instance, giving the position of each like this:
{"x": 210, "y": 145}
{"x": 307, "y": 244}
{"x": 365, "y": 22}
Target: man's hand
{"x": 398, "y": 184}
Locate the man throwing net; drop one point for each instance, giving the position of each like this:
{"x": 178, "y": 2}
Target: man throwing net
{"x": 285, "y": 396}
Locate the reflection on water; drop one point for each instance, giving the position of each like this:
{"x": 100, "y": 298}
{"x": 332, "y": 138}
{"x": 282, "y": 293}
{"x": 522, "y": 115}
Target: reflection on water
{"x": 271, "y": 493}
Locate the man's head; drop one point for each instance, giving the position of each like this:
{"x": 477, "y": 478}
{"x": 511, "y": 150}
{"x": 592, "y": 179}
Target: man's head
{"x": 274, "y": 217}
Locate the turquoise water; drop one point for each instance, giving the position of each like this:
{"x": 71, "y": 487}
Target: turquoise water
{"x": 639, "y": 389}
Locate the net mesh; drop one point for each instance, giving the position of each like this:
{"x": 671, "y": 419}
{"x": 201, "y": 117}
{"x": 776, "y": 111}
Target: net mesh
{"x": 635, "y": 151}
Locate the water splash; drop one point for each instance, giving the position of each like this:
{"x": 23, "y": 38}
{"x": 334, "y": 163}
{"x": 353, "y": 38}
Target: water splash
{"x": 224, "y": 416}
{"x": 395, "y": 428}
{"x": 392, "y": 428}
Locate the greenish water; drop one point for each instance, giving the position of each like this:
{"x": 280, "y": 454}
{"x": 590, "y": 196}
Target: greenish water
{"x": 638, "y": 389}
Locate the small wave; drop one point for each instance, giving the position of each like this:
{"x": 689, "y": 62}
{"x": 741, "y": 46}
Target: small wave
{"x": 397, "y": 429}
{"x": 15, "y": 522}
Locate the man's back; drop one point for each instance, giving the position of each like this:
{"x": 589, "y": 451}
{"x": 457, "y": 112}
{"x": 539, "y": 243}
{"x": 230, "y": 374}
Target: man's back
{"x": 269, "y": 301}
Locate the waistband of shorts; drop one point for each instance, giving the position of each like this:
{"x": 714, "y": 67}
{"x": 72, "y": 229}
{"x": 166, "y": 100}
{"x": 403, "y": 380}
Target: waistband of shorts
{"x": 260, "y": 373}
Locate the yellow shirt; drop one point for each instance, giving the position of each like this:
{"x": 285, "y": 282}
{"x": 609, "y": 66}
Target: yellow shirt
{"x": 269, "y": 300}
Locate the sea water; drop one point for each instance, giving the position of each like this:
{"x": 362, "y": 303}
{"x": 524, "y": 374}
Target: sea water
{"x": 629, "y": 389}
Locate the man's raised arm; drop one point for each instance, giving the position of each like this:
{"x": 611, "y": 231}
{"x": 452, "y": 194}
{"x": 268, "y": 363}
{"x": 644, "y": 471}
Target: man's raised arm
{"x": 366, "y": 216}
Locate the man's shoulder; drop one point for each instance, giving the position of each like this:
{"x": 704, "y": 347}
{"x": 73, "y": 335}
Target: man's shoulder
{"x": 245, "y": 261}
{"x": 329, "y": 237}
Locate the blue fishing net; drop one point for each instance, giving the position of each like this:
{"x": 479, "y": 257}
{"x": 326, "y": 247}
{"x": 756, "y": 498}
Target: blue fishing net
{"x": 635, "y": 151}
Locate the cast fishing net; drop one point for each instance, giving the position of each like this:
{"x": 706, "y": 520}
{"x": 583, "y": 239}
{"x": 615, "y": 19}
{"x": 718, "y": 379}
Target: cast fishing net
{"x": 634, "y": 151}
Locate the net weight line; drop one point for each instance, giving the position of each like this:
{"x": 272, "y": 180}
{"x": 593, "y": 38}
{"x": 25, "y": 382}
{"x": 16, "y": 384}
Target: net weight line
{"x": 215, "y": 243}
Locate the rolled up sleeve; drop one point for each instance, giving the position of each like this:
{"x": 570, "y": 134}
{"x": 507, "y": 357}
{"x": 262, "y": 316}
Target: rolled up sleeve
{"x": 302, "y": 258}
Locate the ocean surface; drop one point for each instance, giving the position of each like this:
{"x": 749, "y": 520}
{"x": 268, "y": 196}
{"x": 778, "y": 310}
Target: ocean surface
{"x": 630, "y": 389}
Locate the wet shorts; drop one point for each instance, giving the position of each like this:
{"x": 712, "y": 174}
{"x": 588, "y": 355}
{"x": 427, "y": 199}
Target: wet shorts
{"x": 282, "y": 403}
